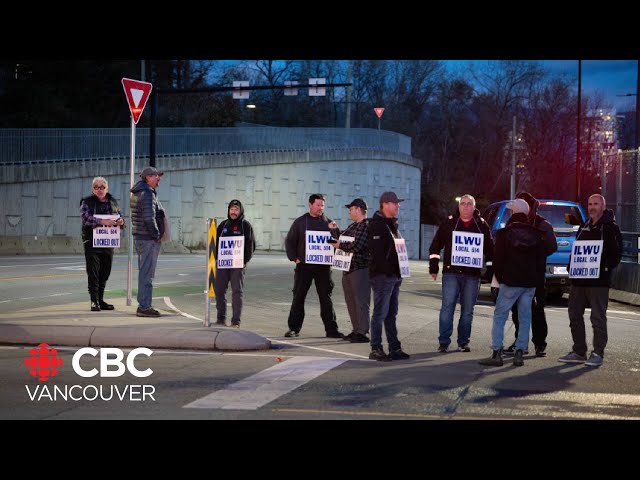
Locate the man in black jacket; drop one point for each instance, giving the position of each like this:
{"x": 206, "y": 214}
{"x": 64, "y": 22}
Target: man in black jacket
{"x": 460, "y": 278}
{"x": 590, "y": 285}
{"x": 385, "y": 277}
{"x": 518, "y": 256}
{"x": 538, "y": 318}
{"x": 231, "y": 260}
{"x": 307, "y": 245}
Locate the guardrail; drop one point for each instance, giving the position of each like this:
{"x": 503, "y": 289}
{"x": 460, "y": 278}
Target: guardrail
{"x": 67, "y": 144}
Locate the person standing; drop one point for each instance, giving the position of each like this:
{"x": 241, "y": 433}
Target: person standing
{"x": 461, "y": 269}
{"x": 236, "y": 244}
{"x": 601, "y": 236}
{"x": 385, "y": 277}
{"x": 98, "y": 259}
{"x": 355, "y": 279}
{"x": 308, "y": 247}
{"x": 148, "y": 225}
{"x": 519, "y": 251}
{"x": 538, "y": 318}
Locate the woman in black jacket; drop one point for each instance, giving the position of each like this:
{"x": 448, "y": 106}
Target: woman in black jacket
{"x": 98, "y": 259}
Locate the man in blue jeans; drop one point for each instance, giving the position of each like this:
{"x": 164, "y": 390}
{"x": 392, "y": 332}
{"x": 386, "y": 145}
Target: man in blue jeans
{"x": 518, "y": 256}
{"x": 147, "y": 223}
{"x": 385, "y": 278}
{"x": 460, "y": 274}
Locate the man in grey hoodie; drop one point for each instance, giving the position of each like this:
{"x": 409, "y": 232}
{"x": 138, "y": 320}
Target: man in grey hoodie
{"x": 147, "y": 223}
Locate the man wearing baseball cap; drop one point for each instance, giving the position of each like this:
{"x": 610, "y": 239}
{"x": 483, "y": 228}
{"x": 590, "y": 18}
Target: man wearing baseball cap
{"x": 518, "y": 255}
{"x": 385, "y": 278}
{"x": 355, "y": 280}
{"x": 148, "y": 226}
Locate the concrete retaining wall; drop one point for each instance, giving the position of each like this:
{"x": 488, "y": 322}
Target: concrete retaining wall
{"x": 39, "y": 203}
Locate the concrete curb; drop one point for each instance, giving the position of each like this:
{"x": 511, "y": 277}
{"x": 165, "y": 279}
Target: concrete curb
{"x": 191, "y": 338}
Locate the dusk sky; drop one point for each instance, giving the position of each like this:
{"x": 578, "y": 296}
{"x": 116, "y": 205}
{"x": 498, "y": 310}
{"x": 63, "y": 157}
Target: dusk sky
{"x": 611, "y": 77}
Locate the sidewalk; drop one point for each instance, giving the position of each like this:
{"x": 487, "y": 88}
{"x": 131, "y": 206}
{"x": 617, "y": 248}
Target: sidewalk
{"x": 75, "y": 325}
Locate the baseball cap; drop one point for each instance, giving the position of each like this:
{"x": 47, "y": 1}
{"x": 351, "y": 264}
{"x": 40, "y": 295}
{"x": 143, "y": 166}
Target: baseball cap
{"x": 390, "y": 197}
{"x": 148, "y": 171}
{"x": 518, "y": 206}
{"x": 358, "y": 202}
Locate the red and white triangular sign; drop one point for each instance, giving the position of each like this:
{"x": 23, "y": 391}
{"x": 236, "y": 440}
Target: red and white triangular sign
{"x": 137, "y": 93}
{"x": 379, "y": 112}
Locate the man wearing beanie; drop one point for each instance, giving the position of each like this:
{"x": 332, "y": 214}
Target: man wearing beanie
{"x": 518, "y": 256}
{"x": 538, "y": 317}
{"x": 236, "y": 244}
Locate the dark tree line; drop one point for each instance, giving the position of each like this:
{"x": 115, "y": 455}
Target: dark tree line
{"x": 460, "y": 124}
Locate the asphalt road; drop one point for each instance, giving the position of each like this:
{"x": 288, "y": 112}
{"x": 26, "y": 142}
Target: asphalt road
{"x": 313, "y": 377}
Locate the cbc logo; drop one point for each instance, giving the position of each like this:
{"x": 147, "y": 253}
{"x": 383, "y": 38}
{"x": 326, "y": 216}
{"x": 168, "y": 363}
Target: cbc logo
{"x": 111, "y": 362}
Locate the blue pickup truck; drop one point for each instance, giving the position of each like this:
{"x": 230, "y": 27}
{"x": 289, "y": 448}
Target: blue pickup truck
{"x": 565, "y": 217}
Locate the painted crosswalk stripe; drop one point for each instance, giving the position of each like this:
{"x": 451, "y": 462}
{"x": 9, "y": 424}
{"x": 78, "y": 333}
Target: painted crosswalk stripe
{"x": 266, "y": 386}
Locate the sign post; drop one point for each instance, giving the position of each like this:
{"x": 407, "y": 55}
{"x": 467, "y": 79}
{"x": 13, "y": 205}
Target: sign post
{"x": 210, "y": 291}
{"x": 137, "y": 94}
{"x": 379, "y": 111}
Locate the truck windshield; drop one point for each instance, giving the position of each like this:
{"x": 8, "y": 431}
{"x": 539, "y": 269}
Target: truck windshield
{"x": 557, "y": 215}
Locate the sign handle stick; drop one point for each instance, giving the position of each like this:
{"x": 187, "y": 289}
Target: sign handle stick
{"x": 132, "y": 168}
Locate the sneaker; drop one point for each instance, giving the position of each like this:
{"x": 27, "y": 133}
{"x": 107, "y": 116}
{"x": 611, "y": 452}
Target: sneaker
{"x": 540, "y": 350}
{"x": 147, "y": 312}
{"x": 379, "y": 355}
{"x": 222, "y": 323}
{"x": 291, "y": 333}
{"x": 335, "y": 334}
{"x": 95, "y": 307}
{"x": 398, "y": 355}
{"x": 348, "y": 338}
{"x": 359, "y": 338}
{"x": 595, "y": 360}
{"x": 512, "y": 350}
{"x": 573, "y": 357}
{"x": 463, "y": 348}
{"x": 442, "y": 348}
{"x": 235, "y": 325}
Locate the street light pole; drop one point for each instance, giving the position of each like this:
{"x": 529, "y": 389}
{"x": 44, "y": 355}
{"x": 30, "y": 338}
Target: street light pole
{"x": 513, "y": 159}
{"x": 578, "y": 131}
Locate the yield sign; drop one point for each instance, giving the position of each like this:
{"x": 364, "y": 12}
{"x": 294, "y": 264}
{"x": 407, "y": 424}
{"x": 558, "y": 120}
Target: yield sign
{"x": 137, "y": 93}
{"x": 379, "y": 111}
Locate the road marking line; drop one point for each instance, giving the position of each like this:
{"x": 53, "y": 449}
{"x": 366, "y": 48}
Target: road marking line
{"x": 33, "y": 298}
{"x": 328, "y": 350}
{"x": 40, "y": 264}
{"x": 167, "y": 302}
{"x": 268, "y": 385}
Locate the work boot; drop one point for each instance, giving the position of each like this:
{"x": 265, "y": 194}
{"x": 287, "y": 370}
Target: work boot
{"x": 95, "y": 305}
{"x": 495, "y": 360}
{"x": 518, "y": 361}
{"x": 103, "y": 305}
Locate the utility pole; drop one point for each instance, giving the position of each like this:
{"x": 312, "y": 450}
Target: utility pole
{"x": 347, "y": 121}
{"x": 513, "y": 159}
{"x": 636, "y": 145}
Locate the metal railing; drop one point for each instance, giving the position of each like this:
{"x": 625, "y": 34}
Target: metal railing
{"x": 67, "y": 144}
